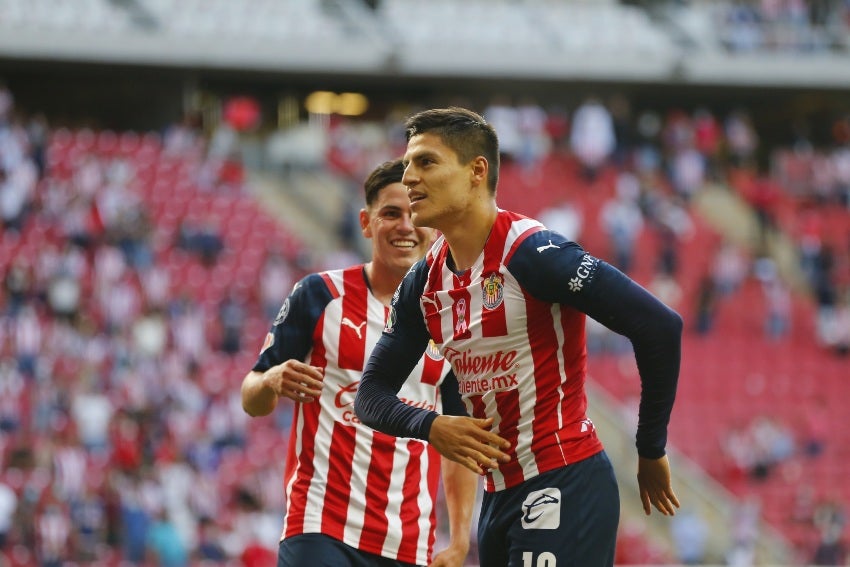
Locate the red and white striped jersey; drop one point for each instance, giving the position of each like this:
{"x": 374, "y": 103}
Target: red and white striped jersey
{"x": 518, "y": 359}
{"x": 372, "y": 491}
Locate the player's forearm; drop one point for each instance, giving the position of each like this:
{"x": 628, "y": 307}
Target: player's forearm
{"x": 377, "y": 404}
{"x": 378, "y": 407}
{"x": 258, "y": 398}
{"x": 658, "y": 362}
{"x": 655, "y": 332}
{"x": 460, "y": 486}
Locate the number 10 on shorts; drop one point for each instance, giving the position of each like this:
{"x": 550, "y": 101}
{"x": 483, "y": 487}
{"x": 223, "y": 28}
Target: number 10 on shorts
{"x": 545, "y": 559}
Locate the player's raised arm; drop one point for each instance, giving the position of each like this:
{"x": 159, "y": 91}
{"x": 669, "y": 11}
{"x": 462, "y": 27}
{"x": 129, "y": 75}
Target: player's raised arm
{"x": 655, "y": 331}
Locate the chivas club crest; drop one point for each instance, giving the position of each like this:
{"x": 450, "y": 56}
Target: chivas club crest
{"x": 432, "y": 351}
{"x": 492, "y": 291}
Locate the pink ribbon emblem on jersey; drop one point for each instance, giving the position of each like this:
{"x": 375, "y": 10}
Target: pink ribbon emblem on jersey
{"x": 460, "y": 310}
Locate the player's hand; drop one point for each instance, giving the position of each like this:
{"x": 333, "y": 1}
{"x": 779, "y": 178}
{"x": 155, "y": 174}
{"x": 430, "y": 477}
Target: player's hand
{"x": 468, "y": 441}
{"x": 655, "y": 487}
{"x": 452, "y": 556}
{"x": 295, "y": 380}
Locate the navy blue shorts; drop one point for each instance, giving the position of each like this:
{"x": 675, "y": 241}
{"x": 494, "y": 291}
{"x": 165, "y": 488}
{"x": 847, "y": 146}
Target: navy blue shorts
{"x": 566, "y": 517}
{"x": 319, "y": 550}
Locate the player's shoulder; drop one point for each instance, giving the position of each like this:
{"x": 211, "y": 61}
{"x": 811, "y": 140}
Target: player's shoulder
{"x": 310, "y": 282}
{"x": 317, "y": 286}
{"x": 544, "y": 243}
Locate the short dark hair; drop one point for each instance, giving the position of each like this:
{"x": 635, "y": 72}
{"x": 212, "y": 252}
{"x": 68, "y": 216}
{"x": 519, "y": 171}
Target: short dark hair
{"x": 385, "y": 174}
{"x": 464, "y": 131}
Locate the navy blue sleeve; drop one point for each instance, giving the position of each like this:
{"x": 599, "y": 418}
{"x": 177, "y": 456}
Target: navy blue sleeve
{"x": 450, "y": 394}
{"x": 291, "y": 334}
{"x": 391, "y": 362}
{"x": 553, "y": 269}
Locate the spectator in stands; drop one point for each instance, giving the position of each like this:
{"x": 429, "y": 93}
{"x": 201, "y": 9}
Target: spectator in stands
{"x": 89, "y": 518}
{"x": 672, "y": 225}
{"x": 209, "y": 548}
{"x": 275, "y": 280}
{"x": 729, "y": 268}
{"x": 773, "y": 444}
{"x": 535, "y": 143}
{"x": 841, "y": 170}
{"x": 830, "y": 517}
{"x": 91, "y": 411}
{"x": 64, "y": 291}
{"x": 203, "y": 239}
{"x": 647, "y": 158}
{"x": 690, "y": 533}
{"x": 825, "y": 292}
{"x": 140, "y": 497}
{"x": 18, "y": 284}
{"x": 815, "y": 430}
{"x": 665, "y": 287}
{"x": 17, "y": 190}
{"x": 777, "y": 298}
{"x": 687, "y": 172}
{"x": 624, "y": 129}
{"x": 8, "y": 507}
{"x": 764, "y": 196}
{"x": 742, "y": 29}
{"x": 741, "y": 138}
{"x": 184, "y": 136}
{"x": 7, "y": 103}
{"x": 592, "y": 136}
{"x": 677, "y": 133}
{"x": 231, "y": 318}
{"x": 778, "y": 309}
{"x": 708, "y": 141}
{"x": 564, "y": 217}
{"x": 187, "y": 322}
{"x": 150, "y": 334}
{"x": 504, "y": 117}
{"x": 706, "y": 304}
{"x": 745, "y": 522}
{"x": 53, "y": 530}
{"x": 622, "y": 220}
{"x": 163, "y": 543}
{"x": 840, "y": 337}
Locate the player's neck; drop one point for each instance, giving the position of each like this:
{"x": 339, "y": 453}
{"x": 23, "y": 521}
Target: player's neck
{"x": 467, "y": 237}
{"x": 382, "y": 281}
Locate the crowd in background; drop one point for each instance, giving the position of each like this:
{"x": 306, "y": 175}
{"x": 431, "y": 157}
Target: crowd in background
{"x": 116, "y": 442}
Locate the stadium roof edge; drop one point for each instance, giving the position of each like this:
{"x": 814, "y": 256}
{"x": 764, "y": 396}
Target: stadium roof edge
{"x": 822, "y": 70}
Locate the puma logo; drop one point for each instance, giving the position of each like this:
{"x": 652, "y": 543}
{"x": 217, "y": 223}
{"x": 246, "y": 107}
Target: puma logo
{"x": 429, "y": 301}
{"x": 357, "y": 328}
{"x": 547, "y": 247}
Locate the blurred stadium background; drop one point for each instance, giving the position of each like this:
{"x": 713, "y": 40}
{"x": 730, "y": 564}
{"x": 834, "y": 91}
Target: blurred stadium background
{"x": 168, "y": 168}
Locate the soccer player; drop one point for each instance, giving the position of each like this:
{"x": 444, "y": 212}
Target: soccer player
{"x": 505, "y": 300}
{"x": 356, "y": 497}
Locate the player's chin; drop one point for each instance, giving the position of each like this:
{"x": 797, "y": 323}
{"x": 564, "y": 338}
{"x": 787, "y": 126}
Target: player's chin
{"x": 418, "y": 218}
{"x": 416, "y": 253}
{"x": 407, "y": 257}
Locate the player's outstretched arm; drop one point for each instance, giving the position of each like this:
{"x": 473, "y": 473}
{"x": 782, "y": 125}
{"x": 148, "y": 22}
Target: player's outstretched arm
{"x": 468, "y": 441}
{"x": 655, "y": 486}
{"x": 292, "y": 379}
{"x": 460, "y": 486}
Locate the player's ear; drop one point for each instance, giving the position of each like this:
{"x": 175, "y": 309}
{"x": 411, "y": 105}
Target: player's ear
{"x": 479, "y": 167}
{"x": 365, "y": 227}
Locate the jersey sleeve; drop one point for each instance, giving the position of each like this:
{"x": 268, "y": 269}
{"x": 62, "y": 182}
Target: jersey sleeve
{"x": 397, "y": 352}
{"x": 450, "y": 394}
{"x": 291, "y": 334}
{"x": 553, "y": 269}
